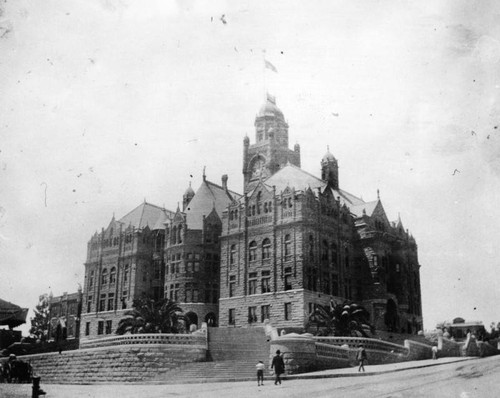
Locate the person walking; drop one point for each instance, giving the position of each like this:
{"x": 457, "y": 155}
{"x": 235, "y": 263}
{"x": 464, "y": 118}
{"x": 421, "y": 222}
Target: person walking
{"x": 260, "y": 373}
{"x": 434, "y": 351}
{"x": 279, "y": 367}
{"x": 361, "y": 357}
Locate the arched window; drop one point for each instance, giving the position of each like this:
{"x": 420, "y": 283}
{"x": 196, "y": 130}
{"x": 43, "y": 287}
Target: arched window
{"x": 288, "y": 247}
{"x": 266, "y": 249}
{"x": 125, "y": 273}
{"x": 174, "y": 235}
{"x": 270, "y": 207}
{"x": 252, "y": 251}
{"x": 290, "y": 202}
{"x": 259, "y": 199}
{"x": 231, "y": 215}
{"x": 232, "y": 255}
{"x": 179, "y": 233}
{"x": 236, "y": 214}
{"x": 112, "y": 275}
{"x": 104, "y": 277}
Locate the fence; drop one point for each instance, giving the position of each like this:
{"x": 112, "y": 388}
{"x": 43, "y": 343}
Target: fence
{"x": 153, "y": 338}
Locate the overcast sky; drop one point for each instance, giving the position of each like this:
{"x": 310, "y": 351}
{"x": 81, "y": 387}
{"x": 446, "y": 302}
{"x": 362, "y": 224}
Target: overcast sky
{"x": 106, "y": 103}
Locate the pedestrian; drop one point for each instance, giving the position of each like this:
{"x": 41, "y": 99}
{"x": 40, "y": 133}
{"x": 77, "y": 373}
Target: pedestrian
{"x": 361, "y": 357}
{"x": 260, "y": 373}
{"x": 279, "y": 367}
{"x": 434, "y": 351}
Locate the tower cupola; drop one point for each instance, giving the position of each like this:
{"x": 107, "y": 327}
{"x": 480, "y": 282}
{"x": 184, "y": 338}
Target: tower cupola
{"x": 186, "y": 198}
{"x": 330, "y": 169}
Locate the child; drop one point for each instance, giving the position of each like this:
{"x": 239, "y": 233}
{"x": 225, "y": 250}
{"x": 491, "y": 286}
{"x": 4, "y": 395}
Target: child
{"x": 260, "y": 373}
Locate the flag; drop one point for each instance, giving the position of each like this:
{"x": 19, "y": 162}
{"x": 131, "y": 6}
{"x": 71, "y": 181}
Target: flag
{"x": 269, "y": 65}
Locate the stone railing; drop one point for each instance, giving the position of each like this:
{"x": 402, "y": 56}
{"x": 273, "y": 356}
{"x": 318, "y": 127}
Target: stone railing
{"x": 331, "y": 351}
{"x": 191, "y": 340}
{"x": 369, "y": 344}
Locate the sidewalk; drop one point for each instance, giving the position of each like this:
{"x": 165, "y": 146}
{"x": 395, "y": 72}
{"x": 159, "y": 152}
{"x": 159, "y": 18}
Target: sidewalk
{"x": 377, "y": 369}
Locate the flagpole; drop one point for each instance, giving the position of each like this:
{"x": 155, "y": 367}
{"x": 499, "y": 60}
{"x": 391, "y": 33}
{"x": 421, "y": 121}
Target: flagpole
{"x": 264, "y": 73}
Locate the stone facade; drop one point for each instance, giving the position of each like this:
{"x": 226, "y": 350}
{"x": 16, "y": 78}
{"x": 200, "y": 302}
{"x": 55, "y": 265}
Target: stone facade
{"x": 291, "y": 241}
{"x": 64, "y": 315}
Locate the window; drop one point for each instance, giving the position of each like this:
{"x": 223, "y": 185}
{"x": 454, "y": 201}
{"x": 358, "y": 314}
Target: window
{"x": 179, "y": 233}
{"x": 102, "y": 303}
{"x": 333, "y": 254}
{"x": 231, "y": 319}
{"x": 266, "y": 281}
{"x": 232, "y": 255}
{"x": 288, "y": 278}
{"x": 252, "y": 252}
{"x": 91, "y": 279}
{"x": 232, "y": 285}
{"x": 324, "y": 251}
{"x": 288, "y": 247}
{"x": 335, "y": 285}
{"x": 112, "y": 275}
{"x": 104, "y": 277}
{"x": 259, "y": 200}
{"x": 87, "y": 328}
{"x": 252, "y": 314}
{"x": 108, "y": 326}
{"x": 124, "y": 300}
{"x": 311, "y": 248}
{"x": 100, "y": 327}
{"x": 264, "y": 313}
{"x": 174, "y": 235}
{"x": 288, "y": 311}
{"x": 111, "y": 301}
{"x": 266, "y": 249}
{"x": 176, "y": 292}
{"x": 252, "y": 283}
{"x": 125, "y": 273}
{"x": 89, "y": 304}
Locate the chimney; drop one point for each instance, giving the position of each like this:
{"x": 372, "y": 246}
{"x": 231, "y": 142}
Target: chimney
{"x": 224, "y": 182}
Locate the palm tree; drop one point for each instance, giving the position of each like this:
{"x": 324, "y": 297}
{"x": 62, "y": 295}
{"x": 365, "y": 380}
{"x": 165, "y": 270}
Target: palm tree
{"x": 347, "y": 319}
{"x": 150, "y": 316}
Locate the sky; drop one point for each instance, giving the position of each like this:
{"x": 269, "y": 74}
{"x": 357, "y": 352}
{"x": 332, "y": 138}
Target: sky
{"x": 107, "y": 103}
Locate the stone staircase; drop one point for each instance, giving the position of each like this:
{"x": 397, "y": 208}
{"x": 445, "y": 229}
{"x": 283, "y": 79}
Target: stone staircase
{"x": 233, "y": 354}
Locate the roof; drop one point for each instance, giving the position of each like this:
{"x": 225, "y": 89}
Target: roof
{"x": 146, "y": 214}
{"x": 270, "y": 108}
{"x": 368, "y": 207}
{"x": 11, "y": 314}
{"x": 293, "y": 176}
{"x": 208, "y": 197}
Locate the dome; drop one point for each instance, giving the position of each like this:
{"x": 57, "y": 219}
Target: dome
{"x": 328, "y": 157}
{"x": 189, "y": 191}
{"x": 270, "y": 108}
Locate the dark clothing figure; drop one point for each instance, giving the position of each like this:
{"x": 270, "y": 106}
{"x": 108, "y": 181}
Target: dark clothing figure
{"x": 361, "y": 357}
{"x": 279, "y": 367}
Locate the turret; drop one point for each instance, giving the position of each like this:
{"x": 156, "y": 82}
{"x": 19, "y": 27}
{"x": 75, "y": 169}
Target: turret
{"x": 330, "y": 169}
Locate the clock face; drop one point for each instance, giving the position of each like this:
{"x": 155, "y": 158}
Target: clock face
{"x": 257, "y": 167}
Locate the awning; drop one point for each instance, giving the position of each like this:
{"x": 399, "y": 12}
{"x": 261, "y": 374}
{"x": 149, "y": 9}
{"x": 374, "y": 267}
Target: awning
{"x": 12, "y": 315}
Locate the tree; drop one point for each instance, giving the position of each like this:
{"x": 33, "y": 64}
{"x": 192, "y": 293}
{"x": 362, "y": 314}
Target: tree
{"x": 40, "y": 322}
{"x": 150, "y": 316}
{"x": 347, "y": 319}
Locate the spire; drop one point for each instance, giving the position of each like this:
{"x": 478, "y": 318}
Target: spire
{"x": 378, "y": 194}
{"x": 204, "y": 175}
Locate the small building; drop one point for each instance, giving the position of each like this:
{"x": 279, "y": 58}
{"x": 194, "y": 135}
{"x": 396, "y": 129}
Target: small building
{"x": 459, "y": 328}
{"x": 64, "y": 315}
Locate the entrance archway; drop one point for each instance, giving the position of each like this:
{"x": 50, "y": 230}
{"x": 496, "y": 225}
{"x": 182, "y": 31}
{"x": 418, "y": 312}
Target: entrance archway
{"x": 211, "y": 319}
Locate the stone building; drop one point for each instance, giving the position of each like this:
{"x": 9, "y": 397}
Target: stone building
{"x": 295, "y": 240}
{"x": 289, "y": 242}
{"x": 124, "y": 261}
{"x": 64, "y": 315}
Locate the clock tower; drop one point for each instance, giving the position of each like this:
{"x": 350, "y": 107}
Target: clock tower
{"x": 270, "y": 151}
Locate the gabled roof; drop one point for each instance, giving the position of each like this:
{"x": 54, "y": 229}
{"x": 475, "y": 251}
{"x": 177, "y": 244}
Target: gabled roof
{"x": 368, "y": 207}
{"x": 293, "y": 176}
{"x": 146, "y": 214}
{"x": 208, "y": 197}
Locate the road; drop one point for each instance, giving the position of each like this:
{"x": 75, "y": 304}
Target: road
{"x": 475, "y": 378}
